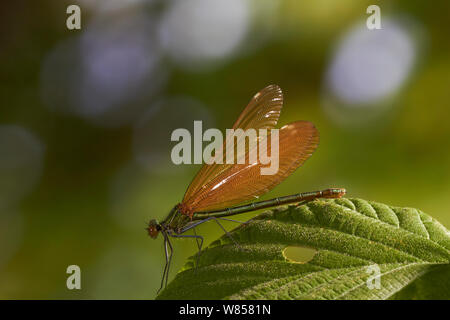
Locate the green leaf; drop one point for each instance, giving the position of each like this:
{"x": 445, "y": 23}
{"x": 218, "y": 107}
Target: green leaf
{"x": 351, "y": 236}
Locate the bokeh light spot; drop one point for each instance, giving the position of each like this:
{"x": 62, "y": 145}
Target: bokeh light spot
{"x": 199, "y": 32}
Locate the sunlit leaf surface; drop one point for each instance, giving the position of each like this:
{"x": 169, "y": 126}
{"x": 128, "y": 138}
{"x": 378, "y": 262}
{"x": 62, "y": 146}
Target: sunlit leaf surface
{"x": 351, "y": 236}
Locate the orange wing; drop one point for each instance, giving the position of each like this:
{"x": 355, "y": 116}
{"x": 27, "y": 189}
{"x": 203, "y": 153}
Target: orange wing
{"x": 243, "y": 182}
{"x": 262, "y": 112}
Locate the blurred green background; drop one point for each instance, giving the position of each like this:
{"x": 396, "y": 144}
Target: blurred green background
{"x": 86, "y": 117}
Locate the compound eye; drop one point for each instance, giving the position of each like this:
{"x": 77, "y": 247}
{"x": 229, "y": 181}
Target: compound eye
{"x": 153, "y": 232}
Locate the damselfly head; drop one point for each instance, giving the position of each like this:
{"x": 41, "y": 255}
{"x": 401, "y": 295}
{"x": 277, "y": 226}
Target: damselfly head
{"x": 153, "y": 228}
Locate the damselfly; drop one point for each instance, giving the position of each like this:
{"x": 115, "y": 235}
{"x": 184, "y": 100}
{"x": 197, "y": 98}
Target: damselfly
{"x": 218, "y": 188}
